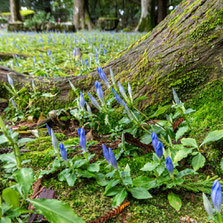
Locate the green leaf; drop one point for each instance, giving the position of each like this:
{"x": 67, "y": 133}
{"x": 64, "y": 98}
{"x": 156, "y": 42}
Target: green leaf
{"x": 11, "y": 197}
{"x": 146, "y": 139}
{"x": 111, "y": 184}
{"x": 140, "y": 193}
{"x": 143, "y": 181}
{"x": 140, "y": 98}
{"x": 213, "y": 136}
{"x": 198, "y": 161}
{"x": 181, "y": 132}
{"x": 94, "y": 167}
{"x": 114, "y": 190}
{"x": 5, "y": 220}
{"x": 221, "y": 164}
{"x": 160, "y": 111}
{"x": 55, "y": 211}
{"x": 183, "y": 153}
{"x": 149, "y": 166}
{"x": 175, "y": 201}
{"x": 48, "y": 95}
{"x": 25, "y": 140}
{"x": 189, "y": 142}
{"x": 25, "y": 179}
{"x": 3, "y": 139}
{"x": 119, "y": 198}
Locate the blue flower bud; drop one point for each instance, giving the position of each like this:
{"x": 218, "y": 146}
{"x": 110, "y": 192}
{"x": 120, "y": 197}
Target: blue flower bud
{"x": 54, "y": 141}
{"x": 99, "y": 91}
{"x": 86, "y": 63}
{"x": 48, "y": 129}
{"x": 10, "y": 81}
{"x": 154, "y": 140}
{"x": 169, "y": 165}
{"x": 159, "y": 149}
{"x": 13, "y": 103}
{"x": 63, "y": 151}
{"x": 34, "y": 59}
{"x": 122, "y": 91}
{"x": 49, "y": 52}
{"x": 130, "y": 92}
{"x": 106, "y": 153}
{"x": 94, "y": 101}
{"x": 216, "y": 195}
{"x": 82, "y": 139}
{"x": 82, "y": 101}
{"x": 105, "y": 51}
{"x": 103, "y": 76}
{"x": 112, "y": 159}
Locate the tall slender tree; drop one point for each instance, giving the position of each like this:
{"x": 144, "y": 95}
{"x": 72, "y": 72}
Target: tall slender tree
{"x": 14, "y": 9}
{"x": 146, "y": 21}
{"x": 162, "y": 9}
{"x": 81, "y": 17}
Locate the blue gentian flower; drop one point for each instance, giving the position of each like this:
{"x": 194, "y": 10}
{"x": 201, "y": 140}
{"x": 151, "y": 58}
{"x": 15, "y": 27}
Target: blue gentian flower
{"x": 99, "y": 91}
{"x": 96, "y": 57}
{"x": 154, "y": 140}
{"x": 106, "y": 153}
{"x": 169, "y": 165}
{"x": 130, "y": 92}
{"x": 86, "y": 63}
{"x": 34, "y": 59}
{"x": 82, "y": 101}
{"x": 54, "y": 141}
{"x": 122, "y": 90}
{"x": 49, "y": 52}
{"x": 82, "y": 139}
{"x": 112, "y": 159}
{"x": 105, "y": 51}
{"x": 159, "y": 149}
{"x": 10, "y": 81}
{"x": 94, "y": 101}
{"x": 63, "y": 151}
{"x": 216, "y": 195}
{"x": 103, "y": 76}
{"x": 48, "y": 129}
{"x": 13, "y": 103}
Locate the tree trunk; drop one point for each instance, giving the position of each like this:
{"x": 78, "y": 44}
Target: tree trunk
{"x": 81, "y": 18}
{"x": 184, "y": 51}
{"x": 14, "y": 9}
{"x": 162, "y": 9}
{"x": 146, "y": 21}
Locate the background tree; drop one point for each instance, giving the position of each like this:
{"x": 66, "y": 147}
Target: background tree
{"x": 81, "y": 18}
{"x": 14, "y": 9}
{"x": 162, "y": 10}
{"x": 146, "y": 22}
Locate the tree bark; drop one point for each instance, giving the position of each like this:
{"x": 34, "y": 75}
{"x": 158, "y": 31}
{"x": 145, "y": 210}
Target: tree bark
{"x": 81, "y": 18}
{"x": 162, "y": 10}
{"x": 14, "y": 9}
{"x": 184, "y": 51}
{"x": 146, "y": 21}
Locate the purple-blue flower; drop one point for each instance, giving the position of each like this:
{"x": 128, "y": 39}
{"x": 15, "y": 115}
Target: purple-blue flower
{"x": 94, "y": 101}
{"x": 103, "y": 76}
{"x": 86, "y": 63}
{"x": 82, "y": 101}
{"x": 112, "y": 159}
{"x": 99, "y": 91}
{"x": 82, "y": 139}
{"x": 216, "y": 195}
{"x": 63, "y": 151}
{"x": 169, "y": 165}
{"x": 122, "y": 90}
{"x": 10, "y": 81}
{"x": 159, "y": 149}
{"x": 154, "y": 140}
{"x": 106, "y": 153}
{"x": 48, "y": 129}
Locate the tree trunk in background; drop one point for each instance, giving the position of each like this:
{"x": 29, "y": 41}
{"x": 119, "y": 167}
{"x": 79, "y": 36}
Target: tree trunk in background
{"x": 146, "y": 21}
{"x": 81, "y": 18}
{"x": 14, "y": 10}
{"x": 184, "y": 51}
{"x": 162, "y": 9}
